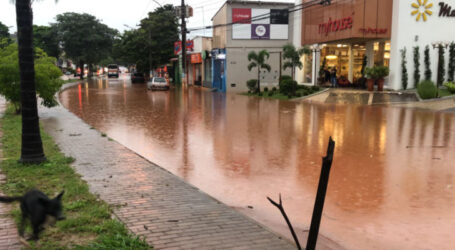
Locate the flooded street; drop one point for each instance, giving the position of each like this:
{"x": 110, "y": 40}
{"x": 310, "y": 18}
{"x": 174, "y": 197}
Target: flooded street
{"x": 392, "y": 184}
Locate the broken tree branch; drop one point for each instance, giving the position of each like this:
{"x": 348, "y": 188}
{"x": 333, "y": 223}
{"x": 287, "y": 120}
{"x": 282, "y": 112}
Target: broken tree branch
{"x": 281, "y": 208}
{"x": 320, "y": 196}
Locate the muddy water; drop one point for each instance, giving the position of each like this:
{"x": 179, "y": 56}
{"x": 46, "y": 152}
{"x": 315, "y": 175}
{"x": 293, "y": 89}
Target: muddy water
{"x": 392, "y": 184}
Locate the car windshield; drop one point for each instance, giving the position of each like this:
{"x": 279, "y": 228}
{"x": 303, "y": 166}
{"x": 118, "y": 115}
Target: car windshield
{"x": 112, "y": 67}
{"x": 159, "y": 79}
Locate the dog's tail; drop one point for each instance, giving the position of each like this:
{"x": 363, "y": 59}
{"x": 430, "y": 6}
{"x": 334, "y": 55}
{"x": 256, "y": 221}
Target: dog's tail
{"x": 10, "y": 199}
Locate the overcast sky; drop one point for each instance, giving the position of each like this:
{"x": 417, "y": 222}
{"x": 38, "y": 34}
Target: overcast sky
{"x": 118, "y": 14}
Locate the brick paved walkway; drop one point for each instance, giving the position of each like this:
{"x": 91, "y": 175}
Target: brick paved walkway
{"x": 9, "y": 238}
{"x": 152, "y": 202}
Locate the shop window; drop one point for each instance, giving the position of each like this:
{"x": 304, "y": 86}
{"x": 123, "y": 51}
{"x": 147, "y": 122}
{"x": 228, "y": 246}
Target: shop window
{"x": 308, "y": 68}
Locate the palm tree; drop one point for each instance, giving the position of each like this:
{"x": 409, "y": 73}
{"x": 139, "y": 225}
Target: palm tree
{"x": 291, "y": 53}
{"x": 32, "y": 146}
{"x": 258, "y": 60}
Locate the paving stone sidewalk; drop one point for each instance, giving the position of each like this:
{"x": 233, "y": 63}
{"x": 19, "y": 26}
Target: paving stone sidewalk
{"x": 152, "y": 202}
{"x": 9, "y": 238}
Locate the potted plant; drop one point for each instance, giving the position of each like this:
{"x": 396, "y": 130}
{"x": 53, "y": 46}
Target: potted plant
{"x": 381, "y": 72}
{"x": 370, "y": 73}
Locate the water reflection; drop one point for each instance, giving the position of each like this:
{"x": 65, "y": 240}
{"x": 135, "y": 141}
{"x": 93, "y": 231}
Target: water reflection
{"x": 392, "y": 180}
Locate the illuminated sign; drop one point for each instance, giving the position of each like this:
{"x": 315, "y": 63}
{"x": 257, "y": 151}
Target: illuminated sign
{"x": 335, "y": 25}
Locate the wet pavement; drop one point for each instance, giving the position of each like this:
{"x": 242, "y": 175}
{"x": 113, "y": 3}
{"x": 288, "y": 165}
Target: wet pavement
{"x": 391, "y": 185}
{"x": 361, "y": 97}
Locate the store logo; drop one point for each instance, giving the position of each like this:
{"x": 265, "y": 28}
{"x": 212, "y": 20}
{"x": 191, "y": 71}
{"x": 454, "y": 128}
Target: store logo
{"x": 422, "y": 10}
{"x": 335, "y": 25}
{"x": 446, "y": 10}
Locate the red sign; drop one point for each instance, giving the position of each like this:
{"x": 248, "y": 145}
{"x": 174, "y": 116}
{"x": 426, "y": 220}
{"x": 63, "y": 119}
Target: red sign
{"x": 373, "y": 31}
{"x": 196, "y": 58}
{"x": 178, "y": 46}
{"x": 241, "y": 15}
{"x": 336, "y": 25}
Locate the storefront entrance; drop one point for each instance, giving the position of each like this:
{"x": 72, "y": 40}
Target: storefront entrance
{"x": 347, "y": 60}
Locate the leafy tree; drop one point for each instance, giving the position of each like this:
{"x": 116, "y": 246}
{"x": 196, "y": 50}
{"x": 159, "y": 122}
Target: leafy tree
{"x": 427, "y": 63}
{"x": 47, "y": 76}
{"x": 161, "y": 31}
{"x": 293, "y": 57}
{"x": 441, "y": 66}
{"x": 451, "y": 70}
{"x": 134, "y": 49}
{"x": 258, "y": 60}
{"x": 84, "y": 38}
{"x": 416, "y": 66}
{"x": 32, "y": 145}
{"x": 46, "y": 38}
{"x": 4, "y": 32}
{"x": 404, "y": 70}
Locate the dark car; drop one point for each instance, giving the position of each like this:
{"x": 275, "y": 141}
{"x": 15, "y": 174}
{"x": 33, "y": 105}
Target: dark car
{"x": 137, "y": 77}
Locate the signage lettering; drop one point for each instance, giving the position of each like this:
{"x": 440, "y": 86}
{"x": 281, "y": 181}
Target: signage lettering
{"x": 373, "y": 31}
{"x": 336, "y": 25}
{"x": 446, "y": 10}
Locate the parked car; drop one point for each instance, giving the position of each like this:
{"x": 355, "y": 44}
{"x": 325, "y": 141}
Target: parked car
{"x": 113, "y": 70}
{"x": 158, "y": 83}
{"x": 137, "y": 77}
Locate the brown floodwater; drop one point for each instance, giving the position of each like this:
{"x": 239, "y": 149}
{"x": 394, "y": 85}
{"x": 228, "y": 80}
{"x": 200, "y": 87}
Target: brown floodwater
{"x": 392, "y": 183}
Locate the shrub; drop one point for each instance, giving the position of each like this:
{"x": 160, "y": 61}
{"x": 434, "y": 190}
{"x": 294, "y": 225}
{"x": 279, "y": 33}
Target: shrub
{"x": 404, "y": 69}
{"x": 274, "y": 89}
{"x": 427, "y": 90}
{"x": 298, "y": 95}
{"x": 260, "y": 94}
{"x": 285, "y": 77}
{"x": 266, "y": 89}
{"x": 303, "y": 87}
{"x": 450, "y": 86}
{"x": 288, "y": 87}
{"x": 270, "y": 93}
{"x": 315, "y": 88}
{"x": 252, "y": 84}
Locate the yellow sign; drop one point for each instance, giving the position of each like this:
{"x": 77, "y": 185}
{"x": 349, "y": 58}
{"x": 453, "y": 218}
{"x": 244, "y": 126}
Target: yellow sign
{"x": 422, "y": 10}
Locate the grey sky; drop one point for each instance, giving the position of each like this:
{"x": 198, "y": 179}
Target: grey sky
{"x": 114, "y": 13}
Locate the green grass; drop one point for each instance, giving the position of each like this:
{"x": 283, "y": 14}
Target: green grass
{"x": 89, "y": 224}
{"x": 71, "y": 80}
{"x": 277, "y": 95}
{"x": 444, "y": 92}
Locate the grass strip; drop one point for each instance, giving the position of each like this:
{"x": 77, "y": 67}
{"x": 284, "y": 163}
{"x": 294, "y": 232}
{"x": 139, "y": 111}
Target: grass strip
{"x": 89, "y": 223}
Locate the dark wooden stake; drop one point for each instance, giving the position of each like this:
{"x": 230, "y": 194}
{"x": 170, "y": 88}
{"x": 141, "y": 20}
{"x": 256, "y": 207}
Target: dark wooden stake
{"x": 281, "y": 208}
{"x": 320, "y": 196}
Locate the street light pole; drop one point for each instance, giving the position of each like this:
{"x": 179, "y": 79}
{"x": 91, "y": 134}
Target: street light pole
{"x": 183, "y": 30}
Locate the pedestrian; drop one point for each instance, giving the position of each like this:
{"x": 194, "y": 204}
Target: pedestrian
{"x": 333, "y": 77}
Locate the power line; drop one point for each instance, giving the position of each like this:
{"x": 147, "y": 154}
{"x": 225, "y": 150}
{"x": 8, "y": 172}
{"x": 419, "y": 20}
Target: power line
{"x": 267, "y": 15}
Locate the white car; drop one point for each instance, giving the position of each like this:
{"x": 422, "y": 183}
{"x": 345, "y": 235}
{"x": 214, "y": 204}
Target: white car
{"x": 158, "y": 83}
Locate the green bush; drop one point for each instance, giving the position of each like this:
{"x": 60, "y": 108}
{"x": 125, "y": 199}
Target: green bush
{"x": 47, "y": 76}
{"x": 266, "y": 89}
{"x": 270, "y": 93}
{"x": 274, "y": 89}
{"x": 315, "y": 88}
{"x": 450, "y": 86}
{"x": 427, "y": 90}
{"x": 285, "y": 78}
{"x": 252, "y": 84}
{"x": 288, "y": 87}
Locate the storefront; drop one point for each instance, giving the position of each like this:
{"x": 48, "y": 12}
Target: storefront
{"x": 342, "y": 36}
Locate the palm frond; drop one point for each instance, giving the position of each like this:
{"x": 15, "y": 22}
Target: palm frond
{"x": 264, "y": 54}
{"x": 287, "y": 65}
{"x": 266, "y": 66}
{"x": 252, "y": 65}
{"x": 252, "y": 56}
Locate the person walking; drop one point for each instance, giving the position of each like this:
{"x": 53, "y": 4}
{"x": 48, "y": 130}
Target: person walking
{"x": 333, "y": 77}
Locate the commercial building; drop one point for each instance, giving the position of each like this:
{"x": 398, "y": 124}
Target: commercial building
{"x": 341, "y": 34}
{"x": 199, "y": 65}
{"x": 252, "y": 26}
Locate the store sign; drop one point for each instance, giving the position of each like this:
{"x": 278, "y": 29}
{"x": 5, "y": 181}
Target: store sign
{"x": 260, "y": 24}
{"x": 336, "y": 25}
{"x": 196, "y": 58}
{"x": 366, "y": 31}
{"x": 446, "y": 10}
{"x": 241, "y": 15}
{"x": 260, "y": 31}
{"x": 422, "y": 10}
{"x": 178, "y": 46}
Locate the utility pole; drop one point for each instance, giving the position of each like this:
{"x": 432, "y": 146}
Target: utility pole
{"x": 183, "y": 29}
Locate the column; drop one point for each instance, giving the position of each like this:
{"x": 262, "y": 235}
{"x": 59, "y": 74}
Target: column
{"x": 351, "y": 64}
{"x": 370, "y": 53}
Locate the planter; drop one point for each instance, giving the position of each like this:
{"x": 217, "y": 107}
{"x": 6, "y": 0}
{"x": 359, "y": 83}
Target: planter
{"x": 370, "y": 84}
{"x": 381, "y": 84}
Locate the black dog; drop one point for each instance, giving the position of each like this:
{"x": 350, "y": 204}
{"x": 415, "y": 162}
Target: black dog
{"x": 37, "y": 207}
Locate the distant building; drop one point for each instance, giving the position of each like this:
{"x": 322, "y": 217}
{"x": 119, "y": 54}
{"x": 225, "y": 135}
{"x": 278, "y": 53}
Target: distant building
{"x": 252, "y": 26}
{"x": 199, "y": 63}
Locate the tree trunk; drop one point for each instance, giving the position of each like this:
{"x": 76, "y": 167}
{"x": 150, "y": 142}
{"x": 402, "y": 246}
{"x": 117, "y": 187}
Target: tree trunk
{"x": 32, "y": 146}
{"x": 81, "y": 66}
{"x": 259, "y": 79}
{"x": 293, "y": 73}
